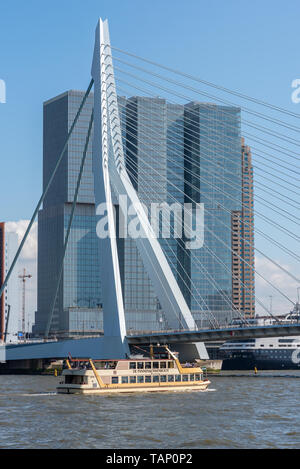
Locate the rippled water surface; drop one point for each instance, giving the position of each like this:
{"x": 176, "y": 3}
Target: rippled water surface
{"x": 240, "y": 410}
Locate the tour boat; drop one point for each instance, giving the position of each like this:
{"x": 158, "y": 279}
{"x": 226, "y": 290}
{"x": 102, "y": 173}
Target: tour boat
{"x": 135, "y": 374}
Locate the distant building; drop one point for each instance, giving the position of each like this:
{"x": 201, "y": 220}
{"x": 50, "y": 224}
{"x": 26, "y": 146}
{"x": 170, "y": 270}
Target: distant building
{"x": 78, "y": 306}
{"x": 9, "y": 303}
{"x": 243, "y": 259}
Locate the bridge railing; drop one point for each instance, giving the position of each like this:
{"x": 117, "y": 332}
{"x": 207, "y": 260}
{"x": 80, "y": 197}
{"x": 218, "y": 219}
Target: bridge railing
{"x": 197, "y": 329}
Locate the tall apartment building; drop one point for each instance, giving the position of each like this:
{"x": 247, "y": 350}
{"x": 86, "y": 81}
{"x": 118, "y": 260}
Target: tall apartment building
{"x": 9, "y": 303}
{"x": 243, "y": 278}
{"x": 78, "y": 306}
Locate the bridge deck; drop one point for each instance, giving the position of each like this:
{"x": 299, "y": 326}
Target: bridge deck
{"x": 107, "y": 347}
{"x": 209, "y": 335}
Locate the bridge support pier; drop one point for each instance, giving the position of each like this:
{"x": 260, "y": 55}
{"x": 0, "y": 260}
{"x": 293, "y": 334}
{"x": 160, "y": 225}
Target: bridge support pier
{"x": 191, "y": 352}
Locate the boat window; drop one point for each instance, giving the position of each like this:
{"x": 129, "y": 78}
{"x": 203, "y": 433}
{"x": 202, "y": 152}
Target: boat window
{"x": 177, "y": 377}
{"x": 170, "y": 378}
{"x": 114, "y": 380}
{"x": 155, "y": 364}
{"x": 197, "y": 377}
{"x": 132, "y": 379}
{"x": 163, "y": 378}
{"x": 148, "y": 379}
{"x": 76, "y": 379}
{"x": 140, "y": 379}
{"x": 132, "y": 365}
{"x": 163, "y": 365}
{"x": 170, "y": 364}
{"x": 192, "y": 377}
{"x": 155, "y": 378}
{"x": 140, "y": 365}
{"x": 148, "y": 365}
{"x": 185, "y": 377}
{"x": 99, "y": 366}
{"x": 124, "y": 379}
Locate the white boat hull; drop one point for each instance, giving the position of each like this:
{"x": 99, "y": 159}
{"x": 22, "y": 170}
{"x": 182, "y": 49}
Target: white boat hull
{"x": 65, "y": 389}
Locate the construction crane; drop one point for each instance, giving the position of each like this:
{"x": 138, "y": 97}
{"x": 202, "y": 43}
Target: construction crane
{"x": 23, "y": 277}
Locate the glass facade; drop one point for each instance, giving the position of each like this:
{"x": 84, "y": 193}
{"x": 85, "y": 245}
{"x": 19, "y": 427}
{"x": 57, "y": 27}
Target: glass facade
{"x": 78, "y": 306}
{"x": 212, "y": 162}
{"x": 185, "y": 154}
{"x": 144, "y": 132}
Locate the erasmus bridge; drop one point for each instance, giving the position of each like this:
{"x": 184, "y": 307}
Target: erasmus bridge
{"x": 113, "y": 72}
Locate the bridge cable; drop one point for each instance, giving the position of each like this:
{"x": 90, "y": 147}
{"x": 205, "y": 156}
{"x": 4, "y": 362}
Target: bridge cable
{"x": 45, "y": 190}
{"x": 226, "y": 138}
{"x": 209, "y": 107}
{"x": 206, "y": 247}
{"x": 211, "y": 280}
{"x": 234, "y": 199}
{"x": 248, "y": 123}
{"x": 202, "y": 157}
{"x": 257, "y": 101}
{"x": 221, "y": 240}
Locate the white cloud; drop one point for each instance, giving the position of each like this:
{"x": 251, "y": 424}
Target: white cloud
{"x": 263, "y": 291}
{"x": 29, "y": 250}
{"x": 28, "y": 261}
{"x": 281, "y": 280}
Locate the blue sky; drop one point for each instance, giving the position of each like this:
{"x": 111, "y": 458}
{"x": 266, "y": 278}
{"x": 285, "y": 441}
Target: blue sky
{"x": 46, "y": 48}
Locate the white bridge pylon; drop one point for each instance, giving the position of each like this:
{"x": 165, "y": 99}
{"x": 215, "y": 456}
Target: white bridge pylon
{"x": 110, "y": 172}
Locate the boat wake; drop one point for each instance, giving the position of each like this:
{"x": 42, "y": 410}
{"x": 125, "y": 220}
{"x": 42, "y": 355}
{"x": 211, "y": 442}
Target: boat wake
{"x": 33, "y": 394}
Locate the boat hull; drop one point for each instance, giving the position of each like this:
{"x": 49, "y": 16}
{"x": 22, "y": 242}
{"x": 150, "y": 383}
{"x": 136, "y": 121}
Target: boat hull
{"x": 63, "y": 389}
{"x": 249, "y": 361}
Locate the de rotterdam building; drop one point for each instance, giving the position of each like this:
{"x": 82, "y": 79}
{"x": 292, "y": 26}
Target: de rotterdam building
{"x": 186, "y": 154}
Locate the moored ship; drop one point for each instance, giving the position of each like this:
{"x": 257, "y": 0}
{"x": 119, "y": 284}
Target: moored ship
{"x": 264, "y": 354}
{"x": 277, "y": 353}
{"x": 135, "y": 374}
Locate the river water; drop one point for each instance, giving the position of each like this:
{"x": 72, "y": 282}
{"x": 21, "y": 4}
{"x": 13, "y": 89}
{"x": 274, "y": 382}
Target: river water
{"x": 240, "y": 410}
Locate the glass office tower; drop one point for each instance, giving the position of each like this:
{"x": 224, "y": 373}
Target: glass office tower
{"x": 78, "y": 306}
{"x": 190, "y": 155}
{"x": 144, "y": 130}
{"x": 178, "y": 154}
{"x": 213, "y": 177}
